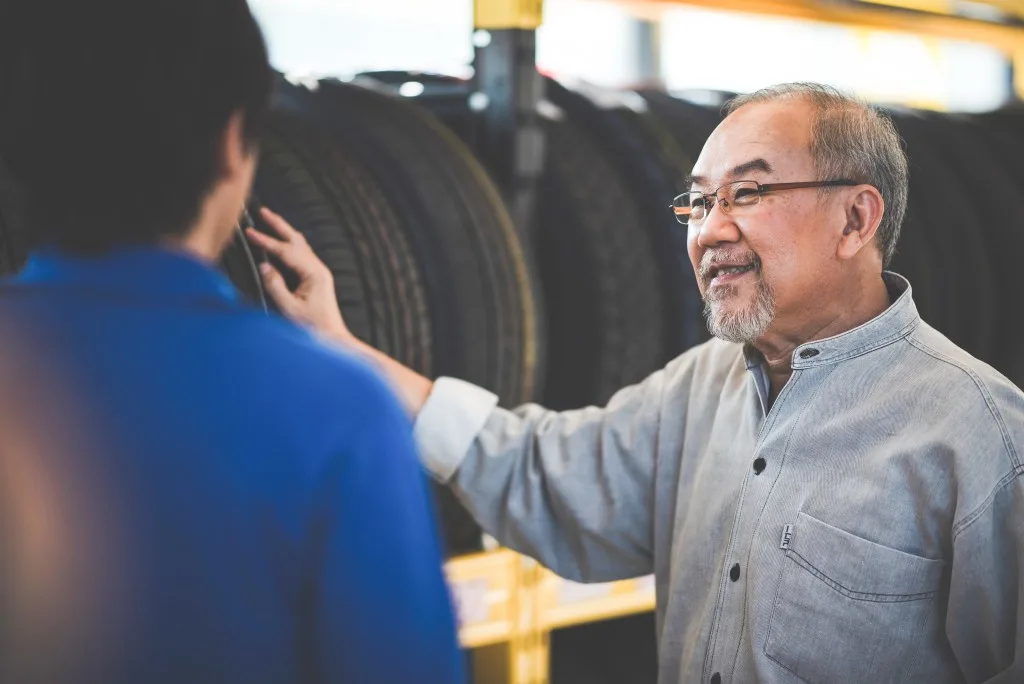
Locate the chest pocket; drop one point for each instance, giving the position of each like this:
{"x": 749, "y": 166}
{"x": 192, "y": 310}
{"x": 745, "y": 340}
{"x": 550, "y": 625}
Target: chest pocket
{"x": 849, "y": 610}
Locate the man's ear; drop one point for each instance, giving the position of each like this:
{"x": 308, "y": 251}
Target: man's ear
{"x": 864, "y": 211}
{"x": 233, "y": 152}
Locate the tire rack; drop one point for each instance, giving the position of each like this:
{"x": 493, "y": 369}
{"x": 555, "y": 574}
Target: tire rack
{"x": 508, "y": 605}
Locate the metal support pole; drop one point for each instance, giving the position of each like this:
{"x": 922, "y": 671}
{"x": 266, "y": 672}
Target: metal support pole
{"x": 507, "y": 90}
{"x": 648, "y": 52}
{"x": 1017, "y": 71}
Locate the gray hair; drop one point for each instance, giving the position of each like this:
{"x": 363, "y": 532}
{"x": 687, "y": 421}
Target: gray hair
{"x": 851, "y": 139}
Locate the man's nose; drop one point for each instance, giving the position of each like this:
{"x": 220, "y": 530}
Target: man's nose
{"x": 717, "y": 227}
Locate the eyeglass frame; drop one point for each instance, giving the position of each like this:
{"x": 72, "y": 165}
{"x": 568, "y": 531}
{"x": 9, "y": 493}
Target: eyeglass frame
{"x": 762, "y": 189}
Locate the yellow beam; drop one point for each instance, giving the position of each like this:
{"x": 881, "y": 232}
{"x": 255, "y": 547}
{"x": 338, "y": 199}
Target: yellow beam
{"x": 1018, "y": 72}
{"x": 507, "y": 14}
{"x": 1009, "y": 39}
{"x": 1009, "y": 6}
{"x": 936, "y": 6}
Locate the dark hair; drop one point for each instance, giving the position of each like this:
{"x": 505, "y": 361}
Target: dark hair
{"x": 111, "y": 111}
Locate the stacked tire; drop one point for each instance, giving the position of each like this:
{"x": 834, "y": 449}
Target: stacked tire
{"x": 428, "y": 266}
{"x": 349, "y": 223}
{"x": 618, "y": 293}
{"x": 475, "y": 268}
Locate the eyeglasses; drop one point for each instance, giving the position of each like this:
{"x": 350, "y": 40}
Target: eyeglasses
{"x": 694, "y": 207}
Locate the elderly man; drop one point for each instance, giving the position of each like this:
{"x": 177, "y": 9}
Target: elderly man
{"x": 831, "y": 491}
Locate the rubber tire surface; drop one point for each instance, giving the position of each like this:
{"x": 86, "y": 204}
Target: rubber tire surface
{"x": 604, "y": 302}
{"x": 998, "y": 205}
{"x": 623, "y": 137}
{"x": 358, "y": 236}
{"x": 308, "y": 176}
{"x": 1003, "y": 149}
{"x": 691, "y": 124}
{"x": 13, "y": 236}
{"x": 477, "y": 276}
{"x": 955, "y": 235}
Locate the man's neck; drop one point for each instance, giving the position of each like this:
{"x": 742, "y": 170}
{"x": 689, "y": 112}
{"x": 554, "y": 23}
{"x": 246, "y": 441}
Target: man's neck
{"x": 203, "y": 241}
{"x": 778, "y": 344}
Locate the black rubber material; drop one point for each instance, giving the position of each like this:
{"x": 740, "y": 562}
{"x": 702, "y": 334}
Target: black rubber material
{"x": 653, "y": 178}
{"x": 13, "y": 248}
{"x": 239, "y": 264}
{"x": 477, "y": 275}
{"x": 388, "y": 209}
{"x": 447, "y": 98}
{"x": 290, "y": 188}
{"x": 362, "y": 242}
{"x": 474, "y": 267}
{"x": 991, "y": 164}
{"x": 604, "y": 312}
{"x": 981, "y": 199}
{"x": 691, "y": 124}
{"x": 307, "y": 176}
{"x": 604, "y": 304}
{"x": 915, "y": 259}
{"x": 954, "y": 231}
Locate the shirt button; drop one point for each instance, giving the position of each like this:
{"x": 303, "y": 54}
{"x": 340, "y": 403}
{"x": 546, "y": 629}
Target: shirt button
{"x": 734, "y": 573}
{"x": 759, "y": 465}
{"x": 809, "y": 353}
{"x": 716, "y": 678}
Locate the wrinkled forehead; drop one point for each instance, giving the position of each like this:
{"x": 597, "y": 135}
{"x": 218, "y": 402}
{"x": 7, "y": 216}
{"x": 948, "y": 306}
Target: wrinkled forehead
{"x": 762, "y": 142}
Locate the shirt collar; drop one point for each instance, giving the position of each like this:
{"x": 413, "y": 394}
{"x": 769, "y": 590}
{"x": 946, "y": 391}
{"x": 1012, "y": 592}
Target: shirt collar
{"x": 893, "y": 324}
{"x": 156, "y": 272}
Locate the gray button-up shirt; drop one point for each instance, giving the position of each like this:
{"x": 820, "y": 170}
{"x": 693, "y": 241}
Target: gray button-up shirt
{"x": 867, "y": 527}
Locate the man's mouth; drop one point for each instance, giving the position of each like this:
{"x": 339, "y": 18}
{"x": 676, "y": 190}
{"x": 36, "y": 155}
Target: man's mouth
{"x": 724, "y": 274}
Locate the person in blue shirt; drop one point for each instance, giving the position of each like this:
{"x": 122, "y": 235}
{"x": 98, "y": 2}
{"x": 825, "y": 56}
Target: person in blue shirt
{"x": 190, "y": 490}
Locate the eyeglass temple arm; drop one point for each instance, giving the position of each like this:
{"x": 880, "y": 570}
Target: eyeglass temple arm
{"x": 768, "y": 187}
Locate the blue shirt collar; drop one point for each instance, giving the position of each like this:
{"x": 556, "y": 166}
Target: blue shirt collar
{"x": 155, "y": 272}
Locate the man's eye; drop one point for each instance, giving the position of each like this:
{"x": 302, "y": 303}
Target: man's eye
{"x": 744, "y": 195}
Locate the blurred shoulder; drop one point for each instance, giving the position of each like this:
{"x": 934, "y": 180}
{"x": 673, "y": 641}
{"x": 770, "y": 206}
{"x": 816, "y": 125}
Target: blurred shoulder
{"x": 298, "y": 362}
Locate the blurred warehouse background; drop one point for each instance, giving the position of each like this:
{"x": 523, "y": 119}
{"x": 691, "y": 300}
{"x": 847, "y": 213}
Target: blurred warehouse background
{"x": 493, "y": 201}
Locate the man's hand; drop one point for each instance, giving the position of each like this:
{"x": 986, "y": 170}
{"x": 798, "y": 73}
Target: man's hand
{"x": 314, "y": 302}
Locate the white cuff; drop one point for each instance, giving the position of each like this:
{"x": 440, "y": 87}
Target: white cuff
{"x": 449, "y": 423}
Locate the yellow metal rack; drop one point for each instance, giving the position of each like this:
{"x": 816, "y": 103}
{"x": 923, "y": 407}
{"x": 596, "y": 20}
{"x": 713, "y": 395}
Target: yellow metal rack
{"x": 508, "y": 606}
{"x": 921, "y": 17}
{"x": 1003, "y": 30}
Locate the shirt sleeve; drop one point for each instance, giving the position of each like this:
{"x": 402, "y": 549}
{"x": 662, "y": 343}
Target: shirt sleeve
{"x": 573, "y": 490}
{"x": 985, "y": 619}
{"x": 383, "y": 611}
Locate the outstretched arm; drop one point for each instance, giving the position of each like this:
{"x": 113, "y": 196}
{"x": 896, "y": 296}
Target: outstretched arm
{"x": 574, "y": 490}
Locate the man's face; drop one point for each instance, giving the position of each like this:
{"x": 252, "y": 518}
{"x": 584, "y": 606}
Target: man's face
{"x": 759, "y": 267}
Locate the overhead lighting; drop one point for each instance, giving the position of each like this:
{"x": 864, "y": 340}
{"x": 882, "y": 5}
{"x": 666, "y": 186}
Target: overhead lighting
{"x": 411, "y": 89}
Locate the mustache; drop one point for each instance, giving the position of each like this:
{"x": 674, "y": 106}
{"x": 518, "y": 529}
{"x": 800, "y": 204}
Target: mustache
{"x": 712, "y": 259}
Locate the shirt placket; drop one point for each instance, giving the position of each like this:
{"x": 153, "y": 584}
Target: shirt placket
{"x": 729, "y": 627}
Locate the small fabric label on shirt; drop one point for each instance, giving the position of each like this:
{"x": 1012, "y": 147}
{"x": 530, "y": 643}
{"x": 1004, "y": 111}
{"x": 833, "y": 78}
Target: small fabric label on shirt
{"x": 787, "y": 537}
